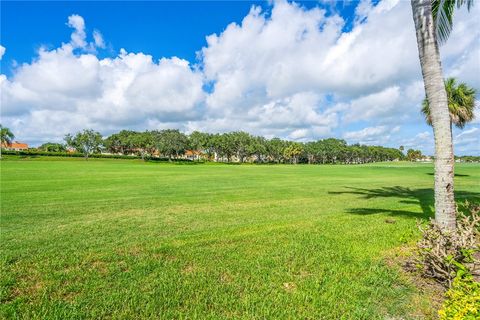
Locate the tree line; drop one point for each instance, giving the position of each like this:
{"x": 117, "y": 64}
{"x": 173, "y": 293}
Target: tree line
{"x": 238, "y": 146}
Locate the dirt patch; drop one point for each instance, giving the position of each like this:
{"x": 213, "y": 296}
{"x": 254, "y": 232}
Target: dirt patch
{"x": 430, "y": 294}
{"x": 25, "y": 286}
{"x": 226, "y": 278}
{"x": 189, "y": 269}
{"x": 289, "y": 286}
{"x": 100, "y": 266}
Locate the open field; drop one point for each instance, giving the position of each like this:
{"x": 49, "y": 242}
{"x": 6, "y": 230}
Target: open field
{"x": 127, "y": 239}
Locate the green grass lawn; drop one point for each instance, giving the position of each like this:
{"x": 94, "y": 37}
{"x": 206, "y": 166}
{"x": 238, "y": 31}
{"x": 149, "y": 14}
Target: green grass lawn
{"x": 127, "y": 239}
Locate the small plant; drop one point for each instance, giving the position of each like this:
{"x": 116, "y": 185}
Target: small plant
{"x": 444, "y": 254}
{"x": 462, "y": 299}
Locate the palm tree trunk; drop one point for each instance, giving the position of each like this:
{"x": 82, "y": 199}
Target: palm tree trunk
{"x": 437, "y": 99}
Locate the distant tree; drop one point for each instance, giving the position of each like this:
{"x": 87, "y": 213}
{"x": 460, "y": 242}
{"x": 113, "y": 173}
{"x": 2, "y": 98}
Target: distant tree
{"x": 215, "y": 145}
{"x": 142, "y": 143}
{"x": 120, "y": 142}
{"x": 228, "y": 146}
{"x": 86, "y": 142}
{"x": 401, "y": 148}
{"x": 171, "y": 143}
{"x": 311, "y": 150}
{"x": 6, "y": 136}
{"x": 461, "y": 103}
{"x": 413, "y": 155}
{"x": 242, "y": 144}
{"x": 258, "y": 147}
{"x": 336, "y": 149}
{"x": 275, "y": 149}
{"x": 200, "y": 142}
{"x": 293, "y": 151}
{"x": 52, "y": 147}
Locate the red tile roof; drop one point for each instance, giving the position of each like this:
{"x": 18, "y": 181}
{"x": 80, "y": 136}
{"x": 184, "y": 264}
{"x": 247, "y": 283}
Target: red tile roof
{"x": 15, "y": 145}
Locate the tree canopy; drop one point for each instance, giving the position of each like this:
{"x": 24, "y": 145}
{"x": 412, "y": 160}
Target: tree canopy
{"x": 238, "y": 146}
{"x": 86, "y": 142}
{"x": 6, "y": 136}
{"x": 461, "y": 103}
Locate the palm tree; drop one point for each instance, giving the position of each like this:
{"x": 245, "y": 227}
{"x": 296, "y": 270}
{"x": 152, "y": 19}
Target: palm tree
{"x": 6, "y": 136}
{"x": 461, "y": 103}
{"x": 430, "y": 25}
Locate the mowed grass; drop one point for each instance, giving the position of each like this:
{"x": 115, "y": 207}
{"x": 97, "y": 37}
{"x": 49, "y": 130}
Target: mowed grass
{"x": 125, "y": 239}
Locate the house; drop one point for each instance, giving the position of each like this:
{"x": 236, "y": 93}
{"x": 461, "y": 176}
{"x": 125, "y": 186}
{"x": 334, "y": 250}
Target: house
{"x": 193, "y": 155}
{"x": 425, "y": 159}
{"x": 15, "y": 146}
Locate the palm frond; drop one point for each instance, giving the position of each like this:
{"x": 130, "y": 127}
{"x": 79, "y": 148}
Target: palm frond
{"x": 442, "y": 12}
{"x": 461, "y": 103}
{"x": 426, "y": 111}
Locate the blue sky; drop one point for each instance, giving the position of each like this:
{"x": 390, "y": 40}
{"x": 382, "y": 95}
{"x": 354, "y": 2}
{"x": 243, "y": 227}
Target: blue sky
{"x": 302, "y": 71}
{"x": 162, "y": 29}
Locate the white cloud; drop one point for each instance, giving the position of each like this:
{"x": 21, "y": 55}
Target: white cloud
{"x": 62, "y": 91}
{"x": 290, "y": 72}
{"x": 467, "y": 141}
{"x": 371, "y": 135}
{"x": 78, "y": 35}
{"x": 423, "y": 136}
{"x": 468, "y": 133}
{"x": 98, "y": 39}
{"x": 2, "y": 51}
{"x": 461, "y": 53}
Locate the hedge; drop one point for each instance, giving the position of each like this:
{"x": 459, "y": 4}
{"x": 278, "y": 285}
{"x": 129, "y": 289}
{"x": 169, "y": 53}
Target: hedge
{"x": 65, "y": 154}
{"x": 34, "y": 153}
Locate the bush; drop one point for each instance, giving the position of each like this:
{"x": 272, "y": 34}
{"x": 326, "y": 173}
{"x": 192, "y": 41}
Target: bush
{"x": 442, "y": 254}
{"x": 36, "y": 153}
{"x": 462, "y": 300}
{"x": 33, "y": 153}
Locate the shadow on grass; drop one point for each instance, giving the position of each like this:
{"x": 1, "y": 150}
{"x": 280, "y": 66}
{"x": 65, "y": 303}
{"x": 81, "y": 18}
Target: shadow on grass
{"x": 422, "y": 197}
{"x": 456, "y": 174}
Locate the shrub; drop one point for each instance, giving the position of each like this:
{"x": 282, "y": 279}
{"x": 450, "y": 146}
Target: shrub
{"x": 442, "y": 254}
{"x": 31, "y": 153}
{"x": 462, "y": 300}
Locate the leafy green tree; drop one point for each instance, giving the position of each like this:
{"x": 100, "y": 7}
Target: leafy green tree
{"x": 143, "y": 143}
{"x": 215, "y": 144}
{"x": 461, "y": 103}
{"x": 171, "y": 142}
{"x": 311, "y": 150}
{"x": 258, "y": 147}
{"x": 336, "y": 149}
{"x": 120, "y": 142}
{"x": 52, "y": 147}
{"x": 86, "y": 142}
{"x": 242, "y": 144}
{"x": 6, "y": 136}
{"x": 200, "y": 141}
{"x": 227, "y": 145}
{"x": 413, "y": 155}
{"x": 434, "y": 20}
{"x": 275, "y": 147}
{"x": 293, "y": 151}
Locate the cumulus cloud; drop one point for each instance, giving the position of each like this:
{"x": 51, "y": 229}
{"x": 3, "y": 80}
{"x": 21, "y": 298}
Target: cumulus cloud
{"x": 61, "y": 91}
{"x": 98, "y": 39}
{"x": 78, "y": 35}
{"x": 371, "y": 135}
{"x": 289, "y": 71}
{"x": 2, "y": 51}
{"x": 467, "y": 141}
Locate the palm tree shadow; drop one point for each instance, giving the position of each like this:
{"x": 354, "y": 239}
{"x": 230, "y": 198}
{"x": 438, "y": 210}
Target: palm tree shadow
{"x": 456, "y": 174}
{"x": 422, "y": 197}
